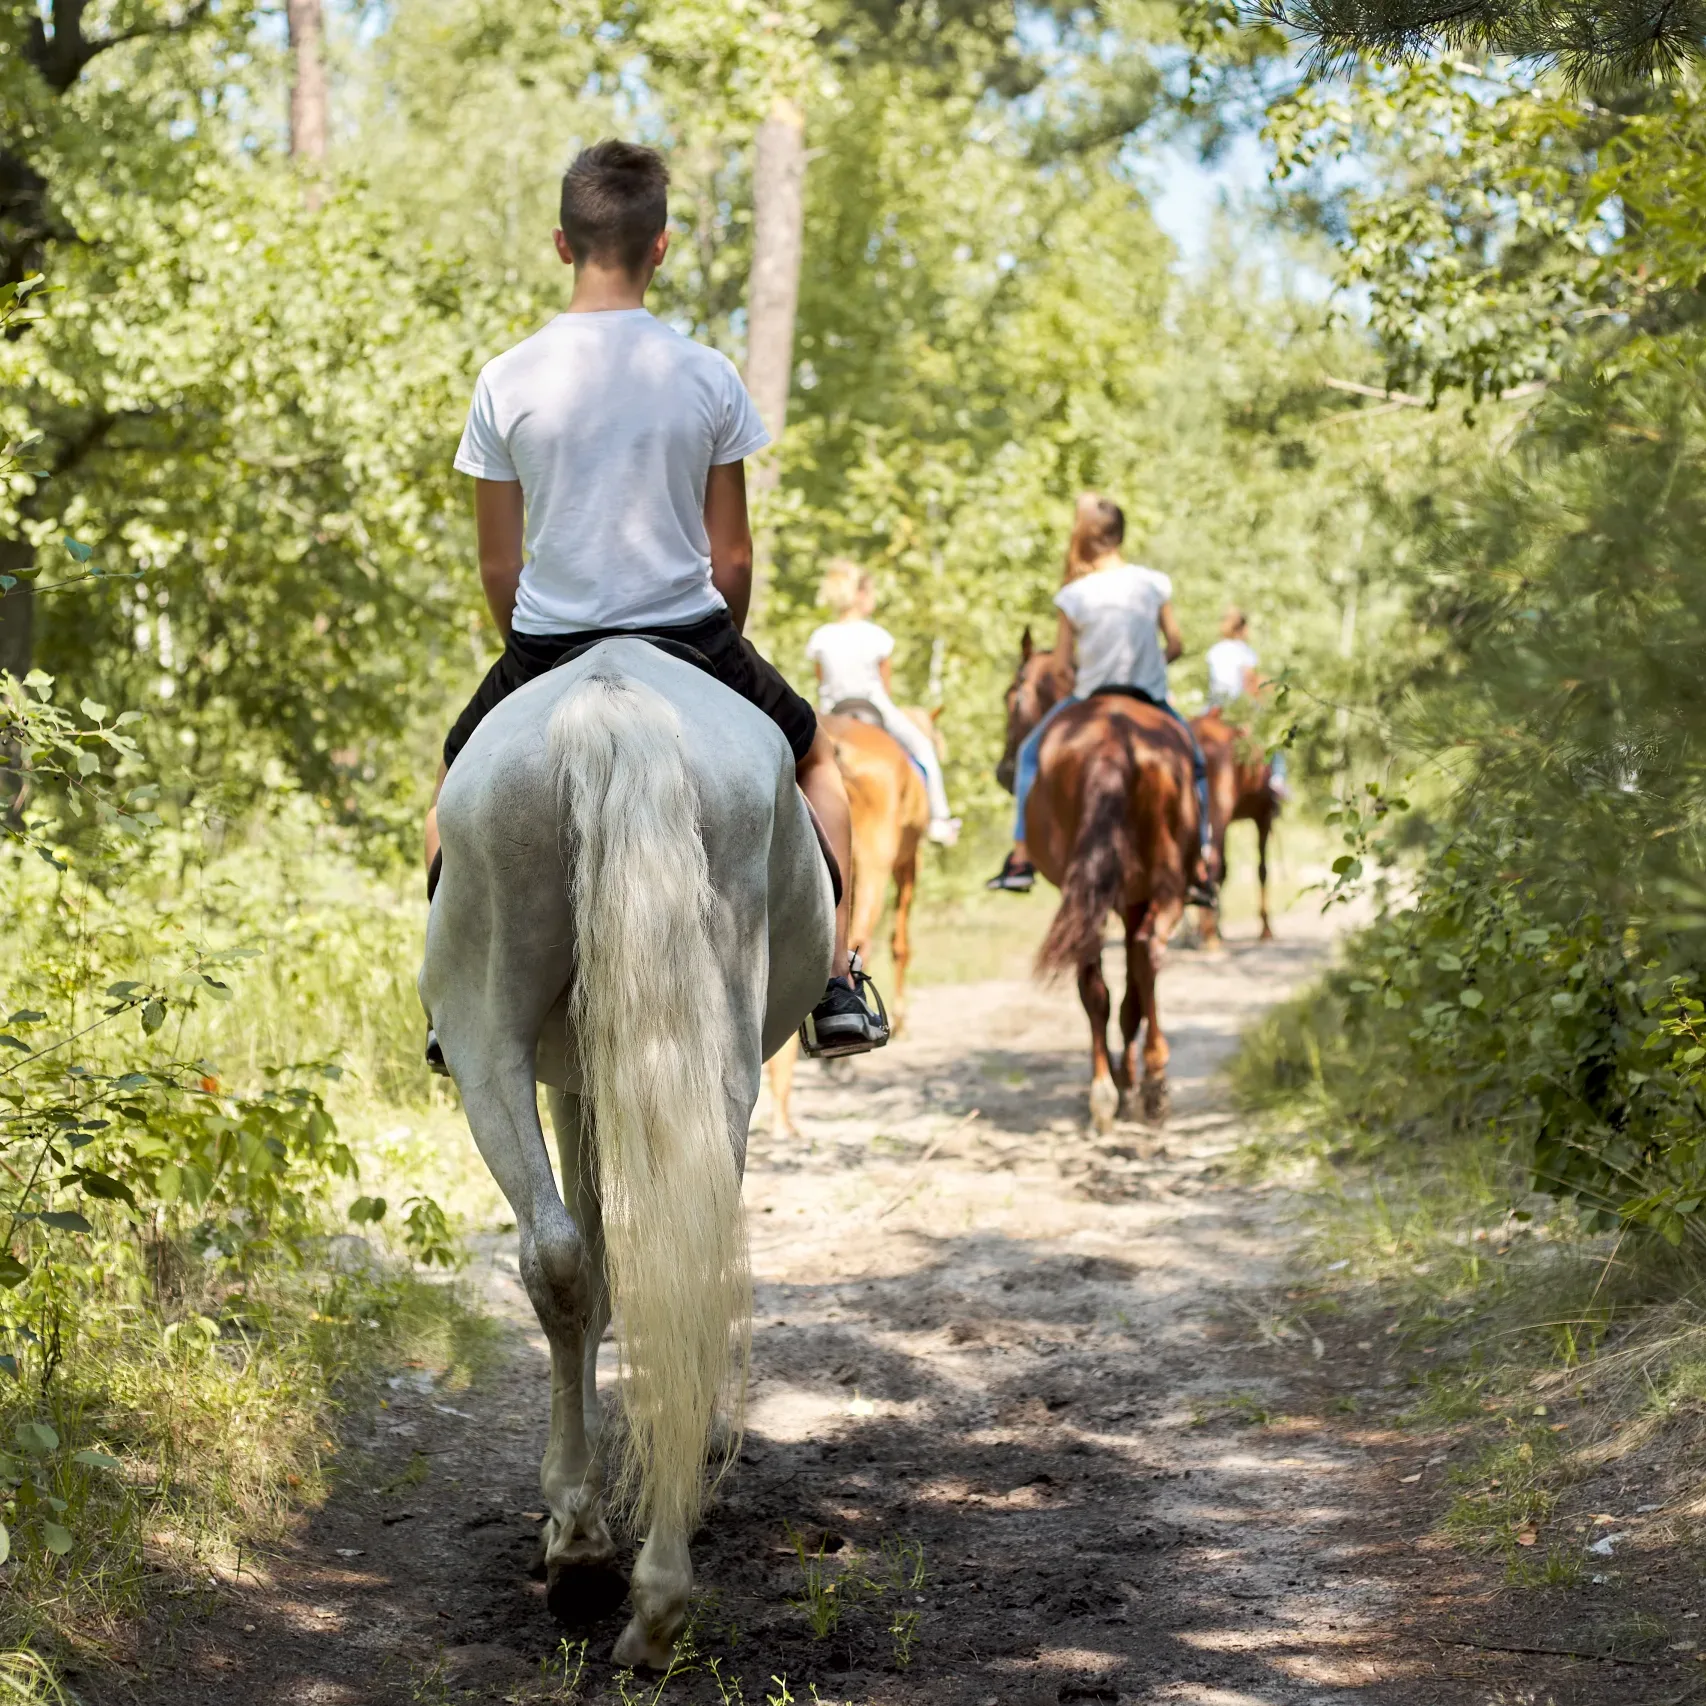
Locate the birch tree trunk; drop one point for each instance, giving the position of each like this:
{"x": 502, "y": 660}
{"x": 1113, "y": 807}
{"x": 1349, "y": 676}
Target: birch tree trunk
{"x": 308, "y": 103}
{"x": 773, "y": 290}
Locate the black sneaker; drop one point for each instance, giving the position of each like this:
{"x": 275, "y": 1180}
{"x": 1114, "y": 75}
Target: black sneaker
{"x": 1202, "y": 893}
{"x": 843, "y": 1022}
{"x": 435, "y": 1055}
{"x": 1016, "y": 876}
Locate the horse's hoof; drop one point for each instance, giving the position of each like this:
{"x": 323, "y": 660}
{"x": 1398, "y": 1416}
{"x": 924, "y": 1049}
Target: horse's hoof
{"x": 1156, "y": 1103}
{"x": 638, "y": 1648}
{"x": 580, "y": 1594}
{"x": 1104, "y": 1104}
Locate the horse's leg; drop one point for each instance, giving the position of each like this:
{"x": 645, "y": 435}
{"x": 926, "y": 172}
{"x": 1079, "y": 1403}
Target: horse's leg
{"x": 781, "y": 1075}
{"x": 561, "y": 1257}
{"x": 1208, "y": 917}
{"x": 1104, "y": 1095}
{"x": 1146, "y": 965}
{"x": 900, "y": 943}
{"x": 1131, "y": 1008}
{"x": 875, "y": 847}
{"x": 577, "y": 1541}
{"x": 1264, "y": 825}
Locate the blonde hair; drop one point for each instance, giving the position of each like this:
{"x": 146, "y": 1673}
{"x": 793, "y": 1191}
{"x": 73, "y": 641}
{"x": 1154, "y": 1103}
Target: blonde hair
{"x": 843, "y": 583}
{"x": 1098, "y": 527}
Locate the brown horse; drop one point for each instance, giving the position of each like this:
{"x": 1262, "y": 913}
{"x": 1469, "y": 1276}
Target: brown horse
{"x": 1239, "y": 780}
{"x": 1112, "y": 823}
{"x": 1240, "y": 786}
{"x": 890, "y": 815}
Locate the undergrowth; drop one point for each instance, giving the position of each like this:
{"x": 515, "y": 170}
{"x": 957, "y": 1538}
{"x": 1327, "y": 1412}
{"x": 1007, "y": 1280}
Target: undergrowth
{"x": 1545, "y": 1348}
{"x": 218, "y": 1167}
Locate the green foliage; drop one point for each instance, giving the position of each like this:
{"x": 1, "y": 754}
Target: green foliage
{"x": 1532, "y": 982}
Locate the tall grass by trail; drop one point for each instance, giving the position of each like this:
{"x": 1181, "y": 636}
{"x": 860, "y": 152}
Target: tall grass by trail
{"x": 1548, "y": 1343}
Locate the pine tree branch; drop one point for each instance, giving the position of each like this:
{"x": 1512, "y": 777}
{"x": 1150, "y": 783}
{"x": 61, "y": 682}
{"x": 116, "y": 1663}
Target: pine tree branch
{"x": 1589, "y": 40}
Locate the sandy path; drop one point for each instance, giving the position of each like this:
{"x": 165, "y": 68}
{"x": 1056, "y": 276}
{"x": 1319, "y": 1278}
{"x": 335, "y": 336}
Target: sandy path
{"x": 991, "y": 1341}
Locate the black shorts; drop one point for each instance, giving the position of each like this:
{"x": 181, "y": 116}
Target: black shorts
{"x": 734, "y": 661}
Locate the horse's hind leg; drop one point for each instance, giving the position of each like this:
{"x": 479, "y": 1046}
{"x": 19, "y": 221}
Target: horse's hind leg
{"x": 900, "y": 943}
{"x": 1264, "y": 826}
{"x": 1132, "y": 1007}
{"x": 578, "y": 1547}
{"x": 1150, "y": 945}
{"x": 781, "y": 1075}
{"x": 1104, "y": 1094}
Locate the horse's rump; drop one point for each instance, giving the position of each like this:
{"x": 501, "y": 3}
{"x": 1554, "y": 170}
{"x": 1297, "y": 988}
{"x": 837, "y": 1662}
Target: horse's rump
{"x": 1110, "y": 819}
{"x": 632, "y": 879}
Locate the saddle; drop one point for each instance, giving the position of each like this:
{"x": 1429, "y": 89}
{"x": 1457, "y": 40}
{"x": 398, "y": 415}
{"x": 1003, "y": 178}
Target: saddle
{"x": 858, "y": 711}
{"x": 863, "y": 711}
{"x": 1126, "y": 691}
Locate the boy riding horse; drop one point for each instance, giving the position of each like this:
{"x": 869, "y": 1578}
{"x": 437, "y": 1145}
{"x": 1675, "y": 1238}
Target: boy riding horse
{"x": 607, "y": 452}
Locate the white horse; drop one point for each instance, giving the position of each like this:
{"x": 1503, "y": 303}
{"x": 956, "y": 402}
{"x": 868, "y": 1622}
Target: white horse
{"x": 634, "y": 911}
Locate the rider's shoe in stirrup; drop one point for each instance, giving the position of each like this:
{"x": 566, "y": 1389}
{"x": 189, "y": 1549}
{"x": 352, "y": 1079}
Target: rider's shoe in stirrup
{"x": 435, "y": 1055}
{"x": 944, "y": 831}
{"x": 843, "y": 1022}
{"x": 1016, "y": 876}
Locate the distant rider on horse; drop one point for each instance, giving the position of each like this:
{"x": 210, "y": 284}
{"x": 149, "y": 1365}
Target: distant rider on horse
{"x": 852, "y": 656}
{"x": 1117, "y": 633}
{"x": 610, "y": 498}
{"x": 1234, "y": 678}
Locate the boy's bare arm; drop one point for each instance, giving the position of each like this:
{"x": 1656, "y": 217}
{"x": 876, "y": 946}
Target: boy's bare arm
{"x": 730, "y": 534}
{"x": 498, "y": 515}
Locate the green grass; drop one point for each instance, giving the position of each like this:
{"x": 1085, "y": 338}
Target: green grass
{"x": 217, "y": 1435}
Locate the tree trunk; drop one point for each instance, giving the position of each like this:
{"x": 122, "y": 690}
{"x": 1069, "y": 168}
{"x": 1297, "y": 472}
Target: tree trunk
{"x": 773, "y": 289}
{"x": 17, "y": 608}
{"x": 308, "y": 79}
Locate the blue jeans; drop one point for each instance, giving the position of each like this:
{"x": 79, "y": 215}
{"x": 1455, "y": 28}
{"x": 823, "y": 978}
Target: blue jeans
{"x": 1025, "y": 772}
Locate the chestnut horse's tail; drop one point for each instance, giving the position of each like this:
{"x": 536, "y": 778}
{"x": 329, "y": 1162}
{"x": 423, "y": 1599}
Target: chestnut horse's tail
{"x": 1101, "y": 868}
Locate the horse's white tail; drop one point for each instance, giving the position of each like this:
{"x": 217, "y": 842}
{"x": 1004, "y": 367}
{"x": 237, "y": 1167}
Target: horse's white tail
{"x": 647, "y": 1010}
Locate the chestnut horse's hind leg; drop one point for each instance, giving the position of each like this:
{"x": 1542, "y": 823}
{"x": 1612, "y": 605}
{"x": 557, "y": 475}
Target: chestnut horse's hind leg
{"x": 781, "y": 1074}
{"x": 1132, "y": 1008}
{"x": 1264, "y": 824}
{"x": 1147, "y": 946}
{"x": 1104, "y": 1095}
{"x": 900, "y": 943}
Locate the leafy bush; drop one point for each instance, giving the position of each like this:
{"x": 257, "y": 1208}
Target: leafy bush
{"x": 170, "y": 1336}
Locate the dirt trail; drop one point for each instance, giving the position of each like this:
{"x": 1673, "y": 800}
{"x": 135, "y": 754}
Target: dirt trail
{"x": 996, "y": 1341}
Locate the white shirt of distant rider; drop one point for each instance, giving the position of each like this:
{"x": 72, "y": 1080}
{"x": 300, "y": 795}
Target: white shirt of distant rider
{"x": 1115, "y": 614}
{"x": 850, "y": 656}
{"x": 612, "y": 422}
{"x": 1229, "y": 664}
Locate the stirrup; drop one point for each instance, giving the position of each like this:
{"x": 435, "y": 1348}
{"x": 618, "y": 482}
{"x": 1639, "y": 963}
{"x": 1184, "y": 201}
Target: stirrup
{"x": 866, "y": 992}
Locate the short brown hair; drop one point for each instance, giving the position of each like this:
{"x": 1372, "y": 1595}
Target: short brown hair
{"x": 615, "y": 202}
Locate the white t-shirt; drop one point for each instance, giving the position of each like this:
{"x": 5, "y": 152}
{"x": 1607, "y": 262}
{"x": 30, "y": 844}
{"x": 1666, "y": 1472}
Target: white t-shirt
{"x": 611, "y": 422}
{"x": 850, "y": 655}
{"x": 1227, "y": 662}
{"x": 1114, "y": 614}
